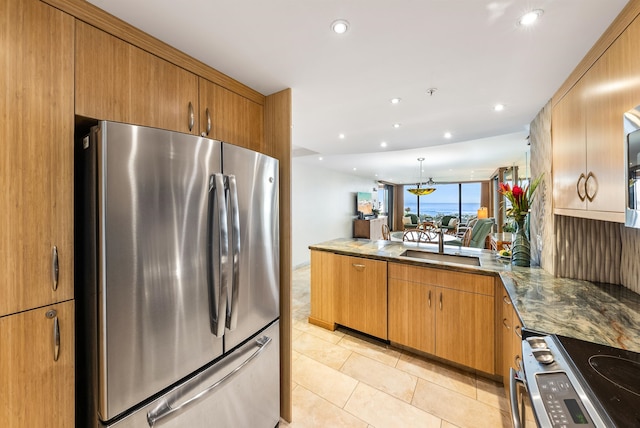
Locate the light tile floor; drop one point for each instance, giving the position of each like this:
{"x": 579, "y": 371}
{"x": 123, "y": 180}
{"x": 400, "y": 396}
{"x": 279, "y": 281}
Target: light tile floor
{"x": 343, "y": 380}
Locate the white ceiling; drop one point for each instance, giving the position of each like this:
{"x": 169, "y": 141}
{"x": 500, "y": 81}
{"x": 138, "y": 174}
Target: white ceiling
{"x": 472, "y": 51}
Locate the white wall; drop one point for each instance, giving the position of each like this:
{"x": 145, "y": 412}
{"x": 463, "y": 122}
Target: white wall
{"x": 322, "y": 205}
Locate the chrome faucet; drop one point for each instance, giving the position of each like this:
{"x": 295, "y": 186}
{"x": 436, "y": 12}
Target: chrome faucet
{"x": 441, "y": 241}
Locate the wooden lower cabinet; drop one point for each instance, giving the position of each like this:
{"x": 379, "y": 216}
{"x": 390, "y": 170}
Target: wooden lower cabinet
{"x": 361, "y": 295}
{"x": 511, "y": 339}
{"x": 351, "y": 291}
{"x": 445, "y": 313}
{"x": 37, "y": 390}
{"x": 325, "y": 270}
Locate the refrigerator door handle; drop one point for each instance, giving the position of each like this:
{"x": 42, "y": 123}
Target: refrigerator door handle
{"x": 234, "y": 280}
{"x": 165, "y": 408}
{"x": 218, "y": 279}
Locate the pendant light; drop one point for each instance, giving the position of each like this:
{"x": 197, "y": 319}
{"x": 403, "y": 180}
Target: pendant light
{"x": 418, "y": 191}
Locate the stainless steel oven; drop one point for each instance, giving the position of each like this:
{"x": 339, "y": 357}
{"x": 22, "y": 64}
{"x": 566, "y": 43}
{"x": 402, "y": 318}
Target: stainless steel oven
{"x": 573, "y": 383}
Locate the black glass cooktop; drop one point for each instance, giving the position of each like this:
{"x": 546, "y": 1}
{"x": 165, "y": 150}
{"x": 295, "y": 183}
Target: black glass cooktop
{"x": 612, "y": 374}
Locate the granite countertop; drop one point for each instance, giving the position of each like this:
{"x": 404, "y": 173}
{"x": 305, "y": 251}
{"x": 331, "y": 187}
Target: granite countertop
{"x": 601, "y": 313}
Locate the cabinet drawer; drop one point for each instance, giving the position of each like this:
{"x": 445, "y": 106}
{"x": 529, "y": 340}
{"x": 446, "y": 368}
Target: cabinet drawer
{"x": 462, "y": 281}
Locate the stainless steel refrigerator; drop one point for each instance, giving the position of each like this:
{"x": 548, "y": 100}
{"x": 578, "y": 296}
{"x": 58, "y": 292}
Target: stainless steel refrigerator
{"x": 177, "y": 281}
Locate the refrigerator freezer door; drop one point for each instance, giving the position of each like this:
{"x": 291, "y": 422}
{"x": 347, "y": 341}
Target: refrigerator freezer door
{"x": 154, "y": 190}
{"x": 254, "y": 294}
{"x": 241, "y": 390}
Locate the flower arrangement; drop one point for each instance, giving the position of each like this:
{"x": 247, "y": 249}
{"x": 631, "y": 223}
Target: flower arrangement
{"x": 520, "y": 198}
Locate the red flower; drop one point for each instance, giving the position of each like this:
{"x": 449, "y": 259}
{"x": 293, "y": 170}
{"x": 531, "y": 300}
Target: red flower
{"x": 518, "y": 193}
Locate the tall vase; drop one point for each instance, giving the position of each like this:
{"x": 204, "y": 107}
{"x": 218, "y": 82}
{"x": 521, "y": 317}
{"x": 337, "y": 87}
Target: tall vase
{"x": 521, "y": 247}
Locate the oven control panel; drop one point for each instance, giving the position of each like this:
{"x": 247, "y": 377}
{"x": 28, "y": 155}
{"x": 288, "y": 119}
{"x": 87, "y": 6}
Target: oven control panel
{"x": 562, "y": 403}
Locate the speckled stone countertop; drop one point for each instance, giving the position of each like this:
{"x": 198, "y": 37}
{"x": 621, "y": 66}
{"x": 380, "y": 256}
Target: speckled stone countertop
{"x": 601, "y": 313}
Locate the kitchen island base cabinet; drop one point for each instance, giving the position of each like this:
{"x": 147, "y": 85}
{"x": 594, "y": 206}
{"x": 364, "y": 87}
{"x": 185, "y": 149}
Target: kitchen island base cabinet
{"x": 37, "y": 377}
{"x": 445, "y": 313}
{"x": 350, "y": 291}
{"x": 361, "y": 295}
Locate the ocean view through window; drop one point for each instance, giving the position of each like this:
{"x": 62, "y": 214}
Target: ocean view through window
{"x": 457, "y": 199}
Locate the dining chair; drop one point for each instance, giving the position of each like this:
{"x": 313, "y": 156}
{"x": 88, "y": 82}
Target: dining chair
{"x": 417, "y": 235}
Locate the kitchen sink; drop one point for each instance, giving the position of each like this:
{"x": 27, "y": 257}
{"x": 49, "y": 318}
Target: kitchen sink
{"x": 449, "y": 258}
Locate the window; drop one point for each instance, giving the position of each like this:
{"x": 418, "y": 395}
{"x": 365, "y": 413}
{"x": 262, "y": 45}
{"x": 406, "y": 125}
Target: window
{"x": 461, "y": 200}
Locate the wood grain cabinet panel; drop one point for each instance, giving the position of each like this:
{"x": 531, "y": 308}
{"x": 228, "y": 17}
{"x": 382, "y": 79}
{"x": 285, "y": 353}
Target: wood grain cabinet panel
{"x": 120, "y": 82}
{"x": 361, "y": 295}
{"x": 37, "y": 390}
{"x": 229, "y": 117}
{"x": 445, "y": 313}
{"x": 325, "y": 271}
{"x": 36, "y": 173}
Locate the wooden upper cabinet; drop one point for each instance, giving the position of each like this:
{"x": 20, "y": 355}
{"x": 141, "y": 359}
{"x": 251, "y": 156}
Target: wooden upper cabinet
{"x": 36, "y": 173}
{"x": 229, "y": 117}
{"x": 569, "y": 150}
{"x": 120, "y": 82}
{"x": 37, "y": 385}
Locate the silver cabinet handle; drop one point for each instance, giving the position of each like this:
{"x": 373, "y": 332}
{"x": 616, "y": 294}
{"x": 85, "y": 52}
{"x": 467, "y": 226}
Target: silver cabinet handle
{"x": 358, "y": 266}
{"x": 580, "y": 187}
{"x": 506, "y": 300}
{"x": 208, "y": 121}
{"x": 590, "y": 176}
{"x": 518, "y": 331}
{"x": 234, "y": 279}
{"x": 55, "y": 268}
{"x": 52, "y": 314}
{"x": 192, "y": 118}
{"x": 429, "y": 298}
{"x": 166, "y": 408}
{"x": 504, "y": 323}
{"x": 440, "y": 301}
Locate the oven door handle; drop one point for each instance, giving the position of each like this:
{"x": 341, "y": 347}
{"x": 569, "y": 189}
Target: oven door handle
{"x": 514, "y": 383}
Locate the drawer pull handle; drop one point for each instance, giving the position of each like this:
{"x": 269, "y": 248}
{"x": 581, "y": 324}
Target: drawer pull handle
{"x": 504, "y": 323}
{"x": 440, "y": 301}
{"x": 506, "y": 300}
{"x": 429, "y": 298}
{"x": 192, "y": 119}
{"x": 358, "y": 266}
{"x": 55, "y": 268}
{"x": 518, "y": 331}
{"x": 52, "y": 314}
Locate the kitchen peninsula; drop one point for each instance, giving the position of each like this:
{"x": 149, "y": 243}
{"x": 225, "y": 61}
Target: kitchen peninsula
{"x": 603, "y": 314}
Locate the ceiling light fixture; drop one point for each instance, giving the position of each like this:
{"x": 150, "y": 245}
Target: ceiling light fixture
{"x": 395, "y": 100}
{"x": 341, "y": 136}
{"x": 418, "y": 191}
{"x": 498, "y": 107}
{"x": 383, "y": 144}
{"x": 430, "y": 91}
{"x": 447, "y": 135}
{"x": 396, "y": 125}
{"x": 530, "y": 17}
{"x": 340, "y": 26}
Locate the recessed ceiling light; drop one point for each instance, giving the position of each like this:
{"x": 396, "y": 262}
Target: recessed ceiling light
{"x": 383, "y": 144}
{"x": 340, "y": 26}
{"x": 354, "y": 169}
{"x": 341, "y": 136}
{"x": 447, "y": 135}
{"x": 395, "y": 100}
{"x": 498, "y": 107}
{"x": 320, "y": 158}
{"x": 530, "y": 17}
{"x": 396, "y": 125}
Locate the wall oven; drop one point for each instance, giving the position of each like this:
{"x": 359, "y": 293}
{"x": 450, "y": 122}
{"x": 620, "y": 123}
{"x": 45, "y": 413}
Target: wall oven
{"x": 573, "y": 383}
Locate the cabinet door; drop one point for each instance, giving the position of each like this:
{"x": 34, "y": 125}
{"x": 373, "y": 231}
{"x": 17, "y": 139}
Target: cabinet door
{"x": 507, "y": 333}
{"x": 412, "y": 314}
{"x": 605, "y": 133}
{"x": 361, "y": 296}
{"x": 324, "y": 274}
{"x": 36, "y": 173}
{"x": 233, "y": 118}
{"x": 465, "y": 326}
{"x": 120, "y": 82}
{"x": 569, "y": 150}
{"x": 37, "y": 391}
